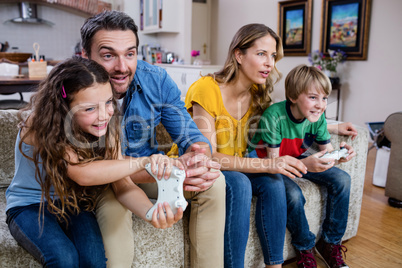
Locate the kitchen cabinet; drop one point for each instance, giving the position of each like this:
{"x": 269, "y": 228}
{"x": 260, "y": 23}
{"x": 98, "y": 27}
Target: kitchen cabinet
{"x": 200, "y": 29}
{"x": 185, "y": 75}
{"x": 159, "y": 16}
{"x": 189, "y": 22}
{"x": 87, "y": 7}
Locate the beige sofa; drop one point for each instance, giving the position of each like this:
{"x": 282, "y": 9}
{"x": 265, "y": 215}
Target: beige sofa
{"x": 170, "y": 248}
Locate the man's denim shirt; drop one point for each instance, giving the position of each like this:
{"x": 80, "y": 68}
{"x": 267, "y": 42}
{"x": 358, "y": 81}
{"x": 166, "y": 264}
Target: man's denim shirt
{"x": 153, "y": 97}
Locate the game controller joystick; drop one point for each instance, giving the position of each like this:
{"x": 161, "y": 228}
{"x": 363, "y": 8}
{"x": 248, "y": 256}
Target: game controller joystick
{"x": 336, "y": 154}
{"x": 170, "y": 190}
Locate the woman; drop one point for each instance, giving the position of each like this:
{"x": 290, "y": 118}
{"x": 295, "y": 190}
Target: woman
{"x": 225, "y": 106}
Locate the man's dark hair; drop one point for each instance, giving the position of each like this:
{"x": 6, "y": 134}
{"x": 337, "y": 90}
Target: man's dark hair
{"x": 107, "y": 20}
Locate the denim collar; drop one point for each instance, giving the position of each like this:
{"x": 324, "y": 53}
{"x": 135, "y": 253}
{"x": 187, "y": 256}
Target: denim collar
{"x": 132, "y": 88}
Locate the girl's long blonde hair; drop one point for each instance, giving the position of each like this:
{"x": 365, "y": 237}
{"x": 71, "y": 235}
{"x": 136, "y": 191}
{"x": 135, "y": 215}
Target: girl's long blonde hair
{"x": 53, "y": 131}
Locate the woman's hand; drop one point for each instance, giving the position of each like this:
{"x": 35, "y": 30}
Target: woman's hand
{"x": 285, "y": 165}
{"x": 346, "y": 129}
{"x": 162, "y": 220}
{"x": 164, "y": 165}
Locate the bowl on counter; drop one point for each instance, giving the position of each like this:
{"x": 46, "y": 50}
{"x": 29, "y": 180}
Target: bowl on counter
{"x": 15, "y": 56}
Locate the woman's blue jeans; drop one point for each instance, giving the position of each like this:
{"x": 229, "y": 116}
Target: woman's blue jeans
{"x": 270, "y": 216}
{"x": 55, "y": 244}
{"x": 337, "y": 182}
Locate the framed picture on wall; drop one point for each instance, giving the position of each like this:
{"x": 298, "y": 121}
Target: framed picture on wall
{"x": 294, "y": 26}
{"x": 345, "y": 26}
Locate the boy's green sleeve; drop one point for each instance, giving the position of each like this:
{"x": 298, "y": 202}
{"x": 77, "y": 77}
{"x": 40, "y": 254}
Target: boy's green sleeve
{"x": 270, "y": 129}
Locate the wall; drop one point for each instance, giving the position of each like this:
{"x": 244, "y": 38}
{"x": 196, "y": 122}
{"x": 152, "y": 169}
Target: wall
{"x": 371, "y": 89}
{"x": 179, "y": 43}
{"x": 56, "y": 42}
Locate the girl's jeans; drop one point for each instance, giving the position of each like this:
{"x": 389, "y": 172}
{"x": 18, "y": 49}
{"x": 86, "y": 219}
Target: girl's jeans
{"x": 55, "y": 244}
{"x": 270, "y": 216}
{"x": 337, "y": 182}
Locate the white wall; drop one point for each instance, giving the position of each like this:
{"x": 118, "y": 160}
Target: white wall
{"x": 56, "y": 42}
{"x": 179, "y": 43}
{"x": 371, "y": 89}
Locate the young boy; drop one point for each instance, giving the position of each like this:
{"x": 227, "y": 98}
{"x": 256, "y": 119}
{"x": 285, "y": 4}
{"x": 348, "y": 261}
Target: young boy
{"x": 290, "y": 128}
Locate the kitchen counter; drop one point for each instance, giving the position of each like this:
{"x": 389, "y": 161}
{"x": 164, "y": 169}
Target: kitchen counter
{"x": 189, "y": 66}
{"x": 10, "y": 85}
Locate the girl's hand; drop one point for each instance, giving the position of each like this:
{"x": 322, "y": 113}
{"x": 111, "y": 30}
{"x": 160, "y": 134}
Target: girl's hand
{"x": 351, "y": 152}
{"x": 285, "y": 165}
{"x": 161, "y": 220}
{"x": 164, "y": 165}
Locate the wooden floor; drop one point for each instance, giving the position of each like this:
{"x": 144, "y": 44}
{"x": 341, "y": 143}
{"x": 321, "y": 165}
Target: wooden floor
{"x": 378, "y": 242}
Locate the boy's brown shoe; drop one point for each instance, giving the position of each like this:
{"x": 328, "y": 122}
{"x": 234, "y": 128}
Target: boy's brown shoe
{"x": 306, "y": 258}
{"x": 331, "y": 254}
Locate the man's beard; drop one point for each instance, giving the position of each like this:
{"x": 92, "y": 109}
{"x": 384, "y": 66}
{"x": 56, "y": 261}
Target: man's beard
{"x": 118, "y": 91}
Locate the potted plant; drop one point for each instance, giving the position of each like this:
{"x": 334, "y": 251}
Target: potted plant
{"x": 327, "y": 64}
{"x": 195, "y": 54}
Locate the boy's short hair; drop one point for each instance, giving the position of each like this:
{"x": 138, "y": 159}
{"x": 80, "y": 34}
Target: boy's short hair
{"x": 302, "y": 77}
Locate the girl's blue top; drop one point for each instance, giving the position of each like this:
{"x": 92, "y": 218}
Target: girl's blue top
{"x": 24, "y": 190}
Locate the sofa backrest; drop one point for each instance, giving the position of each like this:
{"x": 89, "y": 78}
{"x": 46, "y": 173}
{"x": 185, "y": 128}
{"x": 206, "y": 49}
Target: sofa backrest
{"x": 8, "y": 133}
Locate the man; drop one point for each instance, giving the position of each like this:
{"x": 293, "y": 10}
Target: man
{"x": 151, "y": 97}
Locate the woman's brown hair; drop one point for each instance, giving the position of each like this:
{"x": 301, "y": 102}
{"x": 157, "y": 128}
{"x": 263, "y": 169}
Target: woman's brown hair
{"x": 244, "y": 39}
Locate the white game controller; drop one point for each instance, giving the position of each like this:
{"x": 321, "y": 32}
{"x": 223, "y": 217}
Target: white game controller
{"x": 336, "y": 154}
{"x": 170, "y": 190}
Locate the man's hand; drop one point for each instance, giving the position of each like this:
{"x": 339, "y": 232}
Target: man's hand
{"x": 201, "y": 171}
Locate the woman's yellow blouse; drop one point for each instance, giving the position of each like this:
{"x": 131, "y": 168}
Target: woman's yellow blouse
{"x": 231, "y": 134}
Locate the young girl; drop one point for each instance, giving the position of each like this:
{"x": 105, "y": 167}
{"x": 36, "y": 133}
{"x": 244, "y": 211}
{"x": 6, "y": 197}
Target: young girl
{"x": 68, "y": 145}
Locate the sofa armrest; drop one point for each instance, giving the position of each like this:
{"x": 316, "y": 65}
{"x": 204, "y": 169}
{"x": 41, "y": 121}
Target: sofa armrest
{"x": 8, "y": 133}
{"x": 393, "y": 130}
{"x": 356, "y": 168}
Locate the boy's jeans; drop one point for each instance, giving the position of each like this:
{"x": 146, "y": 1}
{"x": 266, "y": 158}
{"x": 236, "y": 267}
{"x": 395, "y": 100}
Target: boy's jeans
{"x": 337, "y": 182}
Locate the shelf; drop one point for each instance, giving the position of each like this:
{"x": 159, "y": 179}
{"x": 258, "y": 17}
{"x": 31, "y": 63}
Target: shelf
{"x": 156, "y": 31}
{"x": 159, "y": 16}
